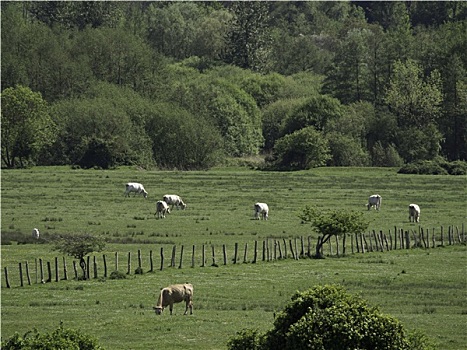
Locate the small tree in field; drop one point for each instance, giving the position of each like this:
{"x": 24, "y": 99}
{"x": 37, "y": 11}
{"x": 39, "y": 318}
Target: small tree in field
{"x": 78, "y": 246}
{"x": 334, "y": 223}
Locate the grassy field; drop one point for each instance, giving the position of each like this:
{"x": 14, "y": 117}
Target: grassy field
{"x": 425, "y": 289}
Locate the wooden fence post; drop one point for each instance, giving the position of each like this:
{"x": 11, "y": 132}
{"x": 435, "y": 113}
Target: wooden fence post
{"x": 308, "y": 248}
{"x": 235, "y": 253}
{"x": 65, "y": 270}
{"x": 42, "y": 270}
{"x": 94, "y": 265}
{"x": 105, "y": 265}
{"x": 302, "y": 249}
{"x": 6, "y": 277}
{"x": 255, "y": 253}
{"x": 285, "y": 248}
{"x": 140, "y": 260}
{"x": 433, "y": 239}
{"x": 35, "y": 268}
{"x": 203, "y": 257}
{"x": 162, "y": 258}
{"x": 442, "y": 236}
{"x": 264, "y": 251}
{"x": 56, "y": 269}
{"x": 275, "y": 249}
{"x": 20, "y": 275}
{"x": 224, "y": 253}
{"x": 49, "y": 271}
{"x": 245, "y": 253}
{"x": 129, "y": 264}
{"x": 337, "y": 245}
{"x": 172, "y": 260}
{"x": 181, "y": 257}
{"x": 267, "y": 250}
{"x": 297, "y": 255}
{"x": 291, "y": 249}
{"x": 116, "y": 261}
{"x": 193, "y": 257}
{"x": 27, "y": 274}
{"x": 151, "y": 262}
{"x": 407, "y": 240}
{"x": 357, "y": 242}
{"x": 363, "y": 243}
{"x": 343, "y": 244}
{"x": 213, "y": 256}
{"x": 395, "y": 237}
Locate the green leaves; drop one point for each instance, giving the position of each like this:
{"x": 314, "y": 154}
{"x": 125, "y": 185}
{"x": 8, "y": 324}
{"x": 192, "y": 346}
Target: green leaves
{"x": 26, "y": 125}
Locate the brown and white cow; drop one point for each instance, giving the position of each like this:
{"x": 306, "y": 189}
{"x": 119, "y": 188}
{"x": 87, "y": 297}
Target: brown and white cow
{"x": 175, "y": 294}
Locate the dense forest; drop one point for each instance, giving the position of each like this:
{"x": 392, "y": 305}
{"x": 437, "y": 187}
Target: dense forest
{"x": 187, "y": 85}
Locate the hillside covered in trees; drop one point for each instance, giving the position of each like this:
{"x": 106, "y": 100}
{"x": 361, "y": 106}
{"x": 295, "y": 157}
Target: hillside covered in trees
{"x": 185, "y": 85}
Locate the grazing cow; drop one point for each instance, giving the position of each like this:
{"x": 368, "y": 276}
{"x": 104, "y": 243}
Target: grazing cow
{"x": 135, "y": 187}
{"x": 174, "y": 200}
{"x": 263, "y": 209}
{"x": 414, "y": 213}
{"x": 374, "y": 201}
{"x": 35, "y": 233}
{"x": 161, "y": 209}
{"x": 175, "y": 294}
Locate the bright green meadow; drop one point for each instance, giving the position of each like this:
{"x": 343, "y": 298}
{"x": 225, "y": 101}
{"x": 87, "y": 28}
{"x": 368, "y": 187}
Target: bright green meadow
{"x": 424, "y": 288}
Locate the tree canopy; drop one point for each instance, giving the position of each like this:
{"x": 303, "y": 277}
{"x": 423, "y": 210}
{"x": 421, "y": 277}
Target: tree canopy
{"x": 232, "y": 79}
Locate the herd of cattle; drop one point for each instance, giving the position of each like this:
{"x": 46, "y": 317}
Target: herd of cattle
{"x": 184, "y": 292}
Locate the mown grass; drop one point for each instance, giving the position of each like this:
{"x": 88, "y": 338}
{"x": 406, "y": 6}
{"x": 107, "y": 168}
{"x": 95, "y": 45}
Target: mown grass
{"x": 425, "y": 289}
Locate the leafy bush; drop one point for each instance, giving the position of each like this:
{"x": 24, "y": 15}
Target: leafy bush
{"x": 61, "y": 338}
{"x": 117, "y": 275}
{"x": 301, "y": 150}
{"x": 326, "y": 317}
{"x": 435, "y": 167}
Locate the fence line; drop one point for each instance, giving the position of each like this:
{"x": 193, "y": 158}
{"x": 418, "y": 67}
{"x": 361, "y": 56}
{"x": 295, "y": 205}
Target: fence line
{"x": 272, "y": 250}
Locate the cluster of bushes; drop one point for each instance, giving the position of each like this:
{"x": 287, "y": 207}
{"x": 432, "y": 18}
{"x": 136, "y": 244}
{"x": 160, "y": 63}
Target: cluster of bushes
{"x": 438, "y": 166}
{"x": 327, "y": 317}
{"x": 61, "y": 338}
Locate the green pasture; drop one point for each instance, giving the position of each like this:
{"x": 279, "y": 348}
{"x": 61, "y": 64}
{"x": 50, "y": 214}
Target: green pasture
{"x": 425, "y": 289}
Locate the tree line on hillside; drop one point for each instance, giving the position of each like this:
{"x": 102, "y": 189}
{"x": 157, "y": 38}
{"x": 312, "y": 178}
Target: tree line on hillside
{"x": 184, "y": 85}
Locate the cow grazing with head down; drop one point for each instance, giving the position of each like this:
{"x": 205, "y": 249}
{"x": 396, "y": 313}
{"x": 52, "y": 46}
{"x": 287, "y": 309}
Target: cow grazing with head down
{"x": 261, "y": 209}
{"x": 136, "y": 188}
{"x": 374, "y": 201}
{"x": 414, "y": 213}
{"x": 175, "y": 294}
{"x": 174, "y": 200}
{"x": 161, "y": 209}
{"x": 35, "y": 233}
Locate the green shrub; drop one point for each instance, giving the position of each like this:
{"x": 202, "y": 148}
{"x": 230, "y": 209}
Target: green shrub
{"x": 326, "y": 317}
{"x": 61, "y": 338}
{"x": 117, "y": 275}
{"x": 435, "y": 167}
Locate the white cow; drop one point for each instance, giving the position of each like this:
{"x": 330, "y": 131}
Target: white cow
{"x": 161, "y": 209}
{"x": 414, "y": 213}
{"x": 175, "y": 294}
{"x": 174, "y": 200}
{"x": 263, "y": 209}
{"x": 135, "y": 187}
{"x": 374, "y": 201}
{"x": 35, "y": 233}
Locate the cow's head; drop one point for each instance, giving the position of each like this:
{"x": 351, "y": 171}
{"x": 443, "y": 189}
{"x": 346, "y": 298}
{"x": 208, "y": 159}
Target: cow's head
{"x": 145, "y": 194}
{"x": 158, "y": 309}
